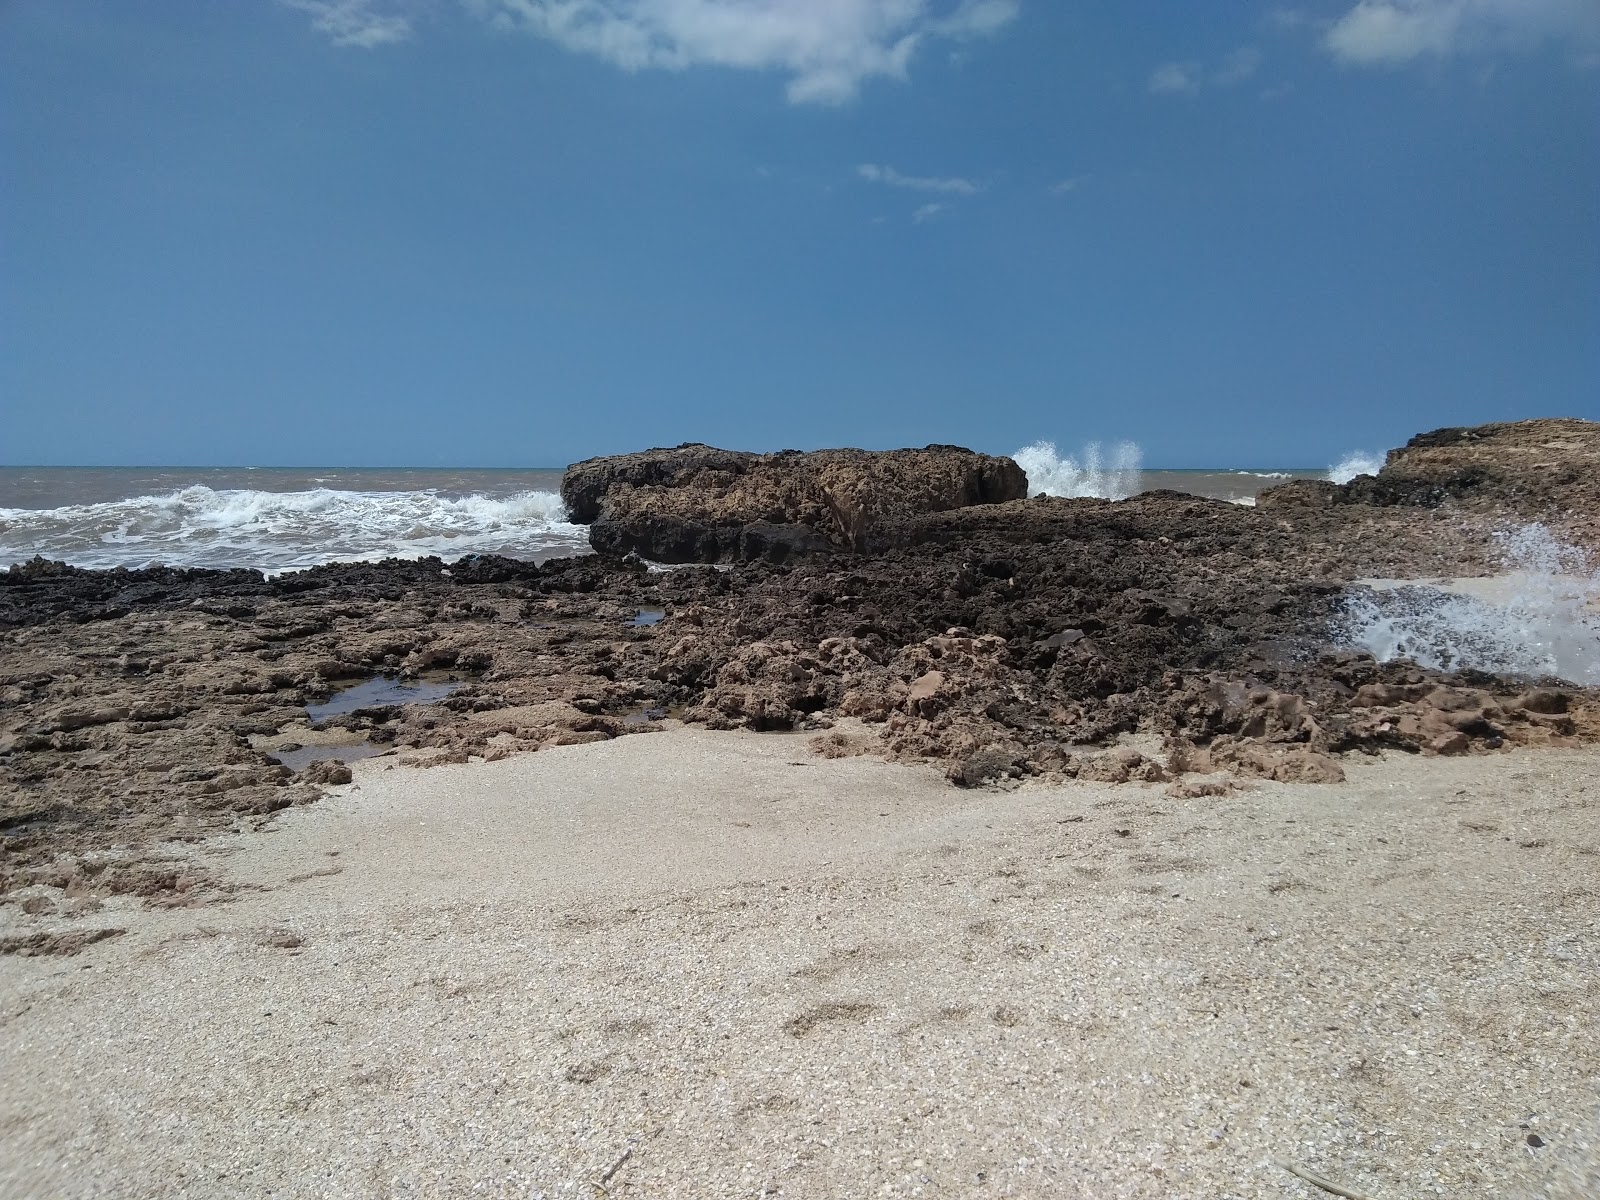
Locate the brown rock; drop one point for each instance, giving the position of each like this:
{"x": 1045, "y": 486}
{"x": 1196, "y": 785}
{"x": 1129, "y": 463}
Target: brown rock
{"x": 65, "y": 944}
{"x": 1121, "y": 765}
{"x": 327, "y": 770}
{"x": 1286, "y": 764}
{"x": 1545, "y": 701}
{"x": 926, "y": 687}
{"x": 987, "y": 765}
{"x": 1545, "y": 467}
{"x": 699, "y": 504}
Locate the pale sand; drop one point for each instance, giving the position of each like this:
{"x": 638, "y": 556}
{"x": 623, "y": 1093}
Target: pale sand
{"x": 763, "y": 973}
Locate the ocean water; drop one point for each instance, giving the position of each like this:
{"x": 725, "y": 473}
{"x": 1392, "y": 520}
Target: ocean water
{"x": 1117, "y": 472}
{"x": 278, "y": 520}
{"x": 1539, "y": 617}
{"x": 285, "y": 520}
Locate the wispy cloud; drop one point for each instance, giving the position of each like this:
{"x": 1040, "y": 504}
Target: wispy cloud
{"x": 955, "y": 185}
{"x": 828, "y": 48}
{"x": 1178, "y": 78}
{"x": 1237, "y": 67}
{"x": 1392, "y": 32}
{"x": 354, "y": 22}
{"x": 927, "y": 212}
{"x": 1063, "y": 186}
{"x": 1175, "y": 77}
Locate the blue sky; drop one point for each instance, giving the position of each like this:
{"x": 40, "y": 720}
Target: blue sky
{"x": 519, "y": 232}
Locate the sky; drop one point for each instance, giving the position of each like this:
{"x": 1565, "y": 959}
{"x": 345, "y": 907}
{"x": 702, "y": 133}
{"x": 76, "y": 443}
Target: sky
{"x": 523, "y": 232}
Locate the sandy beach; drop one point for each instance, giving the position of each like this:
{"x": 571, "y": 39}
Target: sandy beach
{"x": 818, "y": 599}
{"x": 711, "y": 964}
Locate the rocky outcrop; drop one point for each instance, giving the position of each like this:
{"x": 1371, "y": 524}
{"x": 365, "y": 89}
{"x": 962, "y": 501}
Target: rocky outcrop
{"x": 696, "y": 503}
{"x": 1546, "y": 468}
{"x": 587, "y": 483}
{"x": 1043, "y": 637}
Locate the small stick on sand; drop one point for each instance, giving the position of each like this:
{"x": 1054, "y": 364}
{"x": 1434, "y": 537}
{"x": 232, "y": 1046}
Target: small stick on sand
{"x": 1315, "y": 1180}
{"x": 599, "y": 1185}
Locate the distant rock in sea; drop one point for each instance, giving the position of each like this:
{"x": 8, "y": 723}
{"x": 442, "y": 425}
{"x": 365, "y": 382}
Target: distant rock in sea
{"x": 696, "y": 503}
{"x": 1544, "y": 468}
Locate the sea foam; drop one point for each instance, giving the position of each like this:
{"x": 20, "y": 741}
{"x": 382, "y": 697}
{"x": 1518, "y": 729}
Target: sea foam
{"x": 1094, "y": 474}
{"x": 1541, "y": 618}
{"x": 1357, "y": 462}
{"x": 284, "y": 531}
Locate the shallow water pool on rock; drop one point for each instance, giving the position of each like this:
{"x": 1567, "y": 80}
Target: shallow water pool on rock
{"x": 378, "y": 692}
{"x": 644, "y": 716}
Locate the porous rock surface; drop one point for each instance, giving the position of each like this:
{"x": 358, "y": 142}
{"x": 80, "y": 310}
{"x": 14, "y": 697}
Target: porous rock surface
{"x": 1547, "y": 469}
{"x": 1032, "y": 637}
{"x": 695, "y": 503}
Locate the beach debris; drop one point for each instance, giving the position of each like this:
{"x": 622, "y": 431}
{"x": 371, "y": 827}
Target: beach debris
{"x": 1317, "y": 1181}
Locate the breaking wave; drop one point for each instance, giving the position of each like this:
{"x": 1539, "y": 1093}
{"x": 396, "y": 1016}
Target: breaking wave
{"x": 1357, "y": 462}
{"x": 1541, "y": 618}
{"x": 1111, "y": 477}
{"x": 285, "y": 531}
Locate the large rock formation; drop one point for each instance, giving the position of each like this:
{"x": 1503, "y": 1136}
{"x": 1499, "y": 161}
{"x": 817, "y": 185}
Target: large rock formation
{"x": 1547, "y": 468}
{"x": 695, "y": 503}
{"x": 997, "y": 640}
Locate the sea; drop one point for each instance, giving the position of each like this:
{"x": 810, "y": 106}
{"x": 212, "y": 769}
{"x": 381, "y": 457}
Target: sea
{"x": 276, "y": 520}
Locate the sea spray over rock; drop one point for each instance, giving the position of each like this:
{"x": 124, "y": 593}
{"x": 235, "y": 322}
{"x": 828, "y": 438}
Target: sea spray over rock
{"x": 198, "y": 526}
{"x": 1357, "y": 462}
{"x": 1541, "y": 618}
{"x": 1095, "y": 474}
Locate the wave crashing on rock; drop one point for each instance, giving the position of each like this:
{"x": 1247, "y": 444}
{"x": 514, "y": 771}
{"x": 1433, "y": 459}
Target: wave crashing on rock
{"x": 1541, "y": 619}
{"x": 1096, "y": 474}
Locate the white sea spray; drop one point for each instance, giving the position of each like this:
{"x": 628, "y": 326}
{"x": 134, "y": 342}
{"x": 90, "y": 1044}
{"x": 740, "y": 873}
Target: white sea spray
{"x": 1095, "y": 473}
{"x": 1540, "y": 618}
{"x": 282, "y": 531}
{"x": 1357, "y": 462}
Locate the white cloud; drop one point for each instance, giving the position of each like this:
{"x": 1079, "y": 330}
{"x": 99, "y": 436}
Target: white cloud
{"x": 1189, "y": 77}
{"x": 1389, "y": 32}
{"x": 1062, "y": 187}
{"x": 1175, "y": 77}
{"x": 955, "y": 186}
{"x": 927, "y": 212}
{"x": 827, "y": 47}
{"x": 1286, "y": 20}
{"x": 354, "y": 22}
{"x": 1238, "y": 66}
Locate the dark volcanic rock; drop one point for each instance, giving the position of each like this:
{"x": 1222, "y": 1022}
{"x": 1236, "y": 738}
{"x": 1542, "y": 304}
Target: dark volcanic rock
{"x": 698, "y": 504}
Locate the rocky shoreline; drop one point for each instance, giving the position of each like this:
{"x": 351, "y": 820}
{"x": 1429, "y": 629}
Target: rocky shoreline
{"x": 1165, "y": 638}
